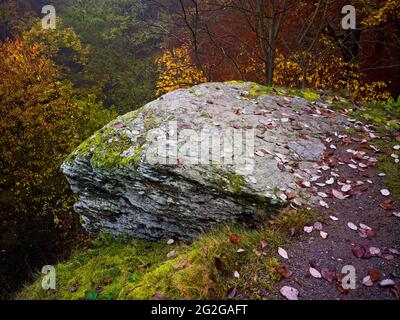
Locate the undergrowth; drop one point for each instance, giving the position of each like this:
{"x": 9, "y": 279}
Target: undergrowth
{"x": 204, "y": 269}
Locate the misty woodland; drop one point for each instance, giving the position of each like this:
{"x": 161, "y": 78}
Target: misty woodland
{"x": 200, "y": 149}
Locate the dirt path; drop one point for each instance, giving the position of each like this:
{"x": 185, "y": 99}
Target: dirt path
{"x": 363, "y": 205}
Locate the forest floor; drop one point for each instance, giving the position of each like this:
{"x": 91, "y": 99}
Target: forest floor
{"x": 372, "y": 249}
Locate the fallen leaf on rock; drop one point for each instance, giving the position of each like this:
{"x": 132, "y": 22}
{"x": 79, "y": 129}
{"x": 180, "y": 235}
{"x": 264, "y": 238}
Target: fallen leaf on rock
{"x": 289, "y": 195}
{"x": 337, "y": 194}
{"x": 119, "y": 125}
{"x": 330, "y": 181}
{"x": 235, "y": 239}
{"x": 290, "y": 293}
{"x": 324, "y": 204}
{"x": 367, "y": 281}
{"x": 298, "y": 202}
{"x": 358, "y": 251}
{"x": 387, "y": 283}
{"x": 282, "y": 252}
{"x": 283, "y": 197}
{"x": 315, "y": 273}
{"x": 346, "y": 188}
{"x": 352, "y": 226}
{"x": 307, "y": 184}
{"x": 284, "y": 272}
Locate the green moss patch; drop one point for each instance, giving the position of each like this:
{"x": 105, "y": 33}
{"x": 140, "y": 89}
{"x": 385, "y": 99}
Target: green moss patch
{"x": 107, "y": 147}
{"x": 201, "y": 270}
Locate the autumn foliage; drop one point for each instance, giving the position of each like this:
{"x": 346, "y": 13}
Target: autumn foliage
{"x": 40, "y": 124}
{"x": 298, "y": 44}
{"x": 41, "y": 121}
{"x": 176, "y": 70}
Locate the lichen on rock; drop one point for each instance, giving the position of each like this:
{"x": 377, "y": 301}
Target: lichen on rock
{"x": 188, "y": 190}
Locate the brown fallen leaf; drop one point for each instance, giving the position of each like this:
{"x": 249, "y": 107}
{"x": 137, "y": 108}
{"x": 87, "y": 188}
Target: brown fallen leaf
{"x": 340, "y": 288}
{"x": 327, "y": 274}
{"x": 284, "y": 272}
{"x": 263, "y": 244}
{"x": 107, "y": 281}
{"x": 387, "y": 205}
{"x": 339, "y": 195}
{"x": 358, "y": 251}
{"x": 182, "y": 265}
{"x": 235, "y": 239}
{"x": 119, "y": 125}
{"x": 374, "y": 274}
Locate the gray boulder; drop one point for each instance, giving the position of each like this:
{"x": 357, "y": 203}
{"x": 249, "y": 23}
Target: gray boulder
{"x": 194, "y": 159}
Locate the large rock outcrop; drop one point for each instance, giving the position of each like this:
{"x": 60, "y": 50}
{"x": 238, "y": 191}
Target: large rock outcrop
{"x": 131, "y": 180}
